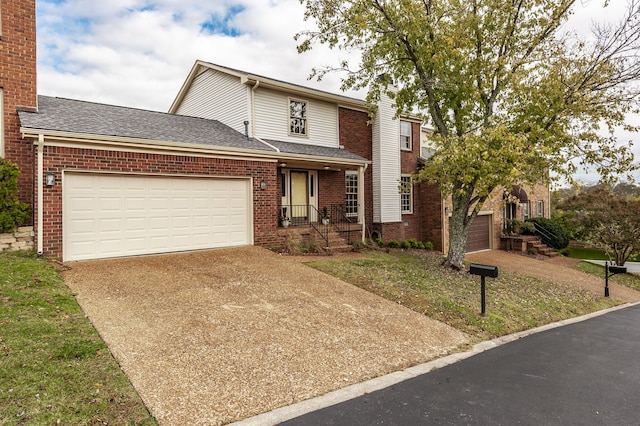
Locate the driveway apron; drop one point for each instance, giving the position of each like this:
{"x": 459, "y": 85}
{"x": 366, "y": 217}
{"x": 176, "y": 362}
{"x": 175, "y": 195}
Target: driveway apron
{"x": 216, "y": 336}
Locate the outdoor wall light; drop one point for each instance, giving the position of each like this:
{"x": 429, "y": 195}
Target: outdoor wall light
{"x": 51, "y": 179}
{"x": 263, "y": 185}
{"x": 283, "y": 164}
{"x": 327, "y": 167}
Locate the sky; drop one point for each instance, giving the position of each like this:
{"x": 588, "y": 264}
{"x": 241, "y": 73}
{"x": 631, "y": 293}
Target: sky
{"x": 137, "y": 53}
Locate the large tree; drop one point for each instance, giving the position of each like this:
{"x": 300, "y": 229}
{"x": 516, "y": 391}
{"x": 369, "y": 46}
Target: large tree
{"x": 606, "y": 219}
{"x": 510, "y": 93}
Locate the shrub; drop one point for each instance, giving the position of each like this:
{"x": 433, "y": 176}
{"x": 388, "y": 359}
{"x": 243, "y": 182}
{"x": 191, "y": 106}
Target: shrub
{"x": 428, "y": 245}
{"x": 379, "y": 242}
{"x": 393, "y": 244}
{"x": 13, "y": 212}
{"x": 406, "y": 245}
{"x": 556, "y": 236}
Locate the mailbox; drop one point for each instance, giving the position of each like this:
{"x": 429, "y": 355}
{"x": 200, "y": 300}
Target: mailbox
{"x": 617, "y": 269}
{"x": 483, "y": 270}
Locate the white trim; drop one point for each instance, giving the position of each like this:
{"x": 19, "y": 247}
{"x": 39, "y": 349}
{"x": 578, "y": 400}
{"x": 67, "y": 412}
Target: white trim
{"x": 74, "y": 140}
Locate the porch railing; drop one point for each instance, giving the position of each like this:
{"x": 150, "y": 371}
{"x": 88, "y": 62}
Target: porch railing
{"x": 305, "y": 215}
{"x": 341, "y": 220}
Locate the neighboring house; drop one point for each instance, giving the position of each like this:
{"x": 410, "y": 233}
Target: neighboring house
{"x": 517, "y": 202}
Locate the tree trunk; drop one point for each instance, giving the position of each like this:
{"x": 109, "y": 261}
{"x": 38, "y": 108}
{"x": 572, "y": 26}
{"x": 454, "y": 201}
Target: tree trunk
{"x": 458, "y": 231}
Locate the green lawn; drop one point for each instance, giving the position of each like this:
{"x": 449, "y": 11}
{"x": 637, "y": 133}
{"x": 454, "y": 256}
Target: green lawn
{"x": 629, "y": 280}
{"x": 54, "y": 368}
{"x": 416, "y": 280}
{"x": 593, "y": 254}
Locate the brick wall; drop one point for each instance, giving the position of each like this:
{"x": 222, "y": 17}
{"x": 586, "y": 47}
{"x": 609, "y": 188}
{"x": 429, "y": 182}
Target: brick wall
{"x": 59, "y": 159}
{"x": 18, "y": 83}
{"x": 356, "y": 137}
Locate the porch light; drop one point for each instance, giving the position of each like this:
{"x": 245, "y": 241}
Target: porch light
{"x": 263, "y": 185}
{"x": 327, "y": 167}
{"x": 283, "y": 164}
{"x": 51, "y": 179}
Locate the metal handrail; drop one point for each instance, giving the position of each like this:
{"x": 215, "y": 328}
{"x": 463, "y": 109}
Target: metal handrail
{"x": 306, "y": 215}
{"x": 324, "y": 231}
{"x": 544, "y": 232}
{"x": 343, "y": 222}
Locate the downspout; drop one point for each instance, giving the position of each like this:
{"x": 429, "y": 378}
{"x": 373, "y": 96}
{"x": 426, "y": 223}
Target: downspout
{"x": 253, "y": 118}
{"x": 40, "y": 195}
{"x": 361, "y": 200}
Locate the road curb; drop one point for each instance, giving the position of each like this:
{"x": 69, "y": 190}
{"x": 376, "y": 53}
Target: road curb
{"x": 335, "y": 397}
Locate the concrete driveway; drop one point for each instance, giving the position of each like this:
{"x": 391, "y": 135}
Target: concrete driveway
{"x": 216, "y": 336}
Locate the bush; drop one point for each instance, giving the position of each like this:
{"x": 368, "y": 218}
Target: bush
{"x": 406, "y": 245}
{"x": 558, "y": 238}
{"x": 13, "y": 213}
{"x": 428, "y": 245}
{"x": 393, "y": 244}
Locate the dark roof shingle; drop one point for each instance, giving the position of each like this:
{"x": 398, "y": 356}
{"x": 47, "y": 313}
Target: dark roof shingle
{"x": 81, "y": 117}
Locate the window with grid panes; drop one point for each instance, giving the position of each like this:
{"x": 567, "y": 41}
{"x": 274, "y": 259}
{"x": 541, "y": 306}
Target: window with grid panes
{"x": 297, "y": 117}
{"x": 351, "y": 184}
{"x": 406, "y": 196}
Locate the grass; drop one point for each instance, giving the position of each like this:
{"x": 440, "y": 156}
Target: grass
{"x": 593, "y": 254}
{"x": 54, "y": 367}
{"x": 417, "y": 281}
{"x": 628, "y": 280}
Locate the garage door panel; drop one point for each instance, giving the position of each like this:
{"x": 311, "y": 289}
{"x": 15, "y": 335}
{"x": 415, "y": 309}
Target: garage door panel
{"x": 112, "y": 215}
{"x": 479, "y": 235}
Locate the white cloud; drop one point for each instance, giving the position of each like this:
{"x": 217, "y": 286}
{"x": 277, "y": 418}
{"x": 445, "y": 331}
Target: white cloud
{"x": 138, "y": 52}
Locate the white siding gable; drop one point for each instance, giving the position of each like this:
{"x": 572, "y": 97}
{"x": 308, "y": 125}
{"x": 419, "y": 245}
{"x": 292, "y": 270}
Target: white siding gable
{"x": 218, "y": 96}
{"x": 272, "y": 119}
{"x": 386, "y": 164}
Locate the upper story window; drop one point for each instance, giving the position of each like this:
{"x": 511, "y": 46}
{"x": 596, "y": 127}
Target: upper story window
{"x": 298, "y": 117}
{"x": 406, "y": 194}
{"x": 405, "y": 135}
{"x": 540, "y": 208}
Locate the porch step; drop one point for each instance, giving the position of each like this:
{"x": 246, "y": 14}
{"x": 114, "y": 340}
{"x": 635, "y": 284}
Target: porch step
{"x": 541, "y": 248}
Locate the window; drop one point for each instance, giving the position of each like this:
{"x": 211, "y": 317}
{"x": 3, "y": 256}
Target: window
{"x": 406, "y": 194}
{"x": 297, "y": 117}
{"x": 525, "y": 210}
{"x": 540, "y": 208}
{"x": 405, "y": 135}
{"x": 351, "y": 183}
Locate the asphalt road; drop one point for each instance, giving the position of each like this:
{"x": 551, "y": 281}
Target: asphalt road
{"x": 587, "y": 373}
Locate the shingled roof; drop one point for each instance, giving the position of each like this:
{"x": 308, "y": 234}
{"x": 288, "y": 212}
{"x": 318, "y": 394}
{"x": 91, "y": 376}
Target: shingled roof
{"x": 81, "y": 117}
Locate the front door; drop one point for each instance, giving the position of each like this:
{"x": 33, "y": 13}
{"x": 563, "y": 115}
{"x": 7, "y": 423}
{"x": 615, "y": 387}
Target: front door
{"x": 299, "y": 196}
{"x": 300, "y": 190}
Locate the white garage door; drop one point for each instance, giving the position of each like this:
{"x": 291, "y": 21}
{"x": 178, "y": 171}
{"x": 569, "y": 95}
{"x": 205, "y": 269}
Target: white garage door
{"x": 126, "y": 215}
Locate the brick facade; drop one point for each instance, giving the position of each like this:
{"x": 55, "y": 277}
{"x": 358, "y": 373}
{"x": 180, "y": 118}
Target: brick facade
{"x": 18, "y": 84}
{"x": 356, "y": 136}
{"x": 59, "y": 159}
